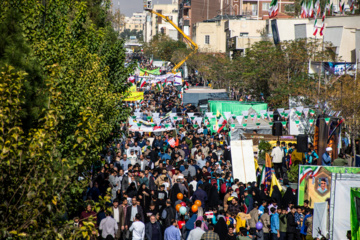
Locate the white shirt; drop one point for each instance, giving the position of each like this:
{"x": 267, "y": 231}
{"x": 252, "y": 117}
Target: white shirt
{"x": 133, "y": 159}
{"x": 277, "y": 154}
{"x": 108, "y": 226}
{"x": 116, "y": 214}
{"x": 201, "y": 163}
{"x": 138, "y": 229}
{"x": 196, "y": 234}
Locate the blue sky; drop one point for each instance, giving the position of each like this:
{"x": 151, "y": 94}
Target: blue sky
{"x": 128, "y": 7}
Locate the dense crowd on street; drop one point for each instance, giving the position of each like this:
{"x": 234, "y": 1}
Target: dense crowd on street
{"x": 187, "y": 191}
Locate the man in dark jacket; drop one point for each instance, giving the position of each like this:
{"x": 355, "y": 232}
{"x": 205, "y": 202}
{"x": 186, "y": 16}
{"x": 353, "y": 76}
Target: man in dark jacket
{"x": 153, "y": 229}
{"x": 291, "y": 224}
{"x": 168, "y": 214}
{"x": 201, "y": 195}
{"x": 131, "y": 211}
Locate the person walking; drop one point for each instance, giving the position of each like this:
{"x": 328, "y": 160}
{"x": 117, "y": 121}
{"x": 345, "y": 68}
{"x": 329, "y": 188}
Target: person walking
{"x": 291, "y": 224}
{"x": 153, "y": 229}
{"x": 210, "y": 234}
{"x": 197, "y": 232}
{"x": 108, "y": 226}
{"x": 137, "y": 228}
{"x": 274, "y": 224}
{"x": 172, "y": 232}
{"x": 277, "y": 155}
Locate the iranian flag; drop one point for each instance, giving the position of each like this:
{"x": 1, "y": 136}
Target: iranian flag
{"x": 311, "y": 9}
{"x": 158, "y": 86}
{"x": 168, "y": 83}
{"x": 163, "y": 84}
{"x": 274, "y": 9}
{"x": 315, "y": 28}
{"x": 142, "y": 82}
{"x": 317, "y": 8}
{"x": 330, "y": 10}
{"x": 222, "y": 126}
{"x": 343, "y": 8}
{"x": 322, "y": 29}
{"x": 131, "y": 79}
{"x": 303, "y": 9}
{"x": 352, "y": 9}
{"x": 324, "y": 15}
{"x": 340, "y": 7}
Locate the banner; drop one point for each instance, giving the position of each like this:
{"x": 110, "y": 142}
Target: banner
{"x": 134, "y": 96}
{"x": 355, "y": 213}
{"x": 153, "y": 72}
{"x": 315, "y": 182}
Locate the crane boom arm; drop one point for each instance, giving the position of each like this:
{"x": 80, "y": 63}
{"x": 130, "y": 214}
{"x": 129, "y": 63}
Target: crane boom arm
{"x": 190, "y": 42}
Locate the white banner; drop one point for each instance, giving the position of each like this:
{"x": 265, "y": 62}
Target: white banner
{"x": 198, "y": 120}
{"x": 155, "y": 115}
{"x": 281, "y": 110}
{"x": 245, "y": 113}
{"x": 190, "y": 114}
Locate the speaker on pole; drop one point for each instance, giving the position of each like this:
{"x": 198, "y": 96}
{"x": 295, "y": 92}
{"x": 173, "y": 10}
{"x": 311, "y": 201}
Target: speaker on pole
{"x": 277, "y": 129}
{"x": 302, "y": 143}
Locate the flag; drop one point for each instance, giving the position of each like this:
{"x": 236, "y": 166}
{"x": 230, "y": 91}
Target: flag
{"x": 303, "y": 9}
{"x": 222, "y": 126}
{"x": 186, "y": 83}
{"x": 171, "y": 142}
{"x": 266, "y": 171}
{"x": 322, "y": 29}
{"x": 274, "y": 9}
{"x": 131, "y": 79}
{"x": 352, "y": 9}
{"x": 274, "y": 182}
{"x": 315, "y": 28}
{"x": 317, "y": 8}
{"x": 343, "y": 8}
{"x": 330, "y": 9}
{"x": 324, "y": 15}
{"x": 142, "y": 82}
{"x": 340, "y": 7}
{"x": 158, "y": 86}
{"x": 311, "y": 9}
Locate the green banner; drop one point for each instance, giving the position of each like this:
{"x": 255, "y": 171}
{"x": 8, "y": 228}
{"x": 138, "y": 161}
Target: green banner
{"x": 153, "y": 72}
{"x": 235, "y": 107}
{"x": 354, "y": 223}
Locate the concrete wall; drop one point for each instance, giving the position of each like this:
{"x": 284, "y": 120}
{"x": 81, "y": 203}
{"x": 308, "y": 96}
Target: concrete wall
{"x": 169, "y": 10}
{"x": 216, "y": 32}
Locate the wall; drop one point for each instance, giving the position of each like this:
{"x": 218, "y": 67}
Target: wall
{"x": 216, "y": 32}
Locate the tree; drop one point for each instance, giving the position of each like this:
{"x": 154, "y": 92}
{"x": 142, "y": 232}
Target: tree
{"x": 163, "y": 47}
{"x": 81, "y": 63}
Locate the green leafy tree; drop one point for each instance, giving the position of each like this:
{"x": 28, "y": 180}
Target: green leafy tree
{"x": 81, "y": 63}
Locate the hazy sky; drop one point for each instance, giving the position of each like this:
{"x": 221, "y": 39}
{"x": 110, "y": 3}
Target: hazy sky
{"x": 128, "y": 7}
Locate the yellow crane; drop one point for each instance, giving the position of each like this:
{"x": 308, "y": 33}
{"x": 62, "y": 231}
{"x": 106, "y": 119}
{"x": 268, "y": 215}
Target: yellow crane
{"x": 191, "y": 44}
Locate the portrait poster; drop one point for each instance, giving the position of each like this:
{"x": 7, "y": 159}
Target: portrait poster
{"x": 315, "y": 182}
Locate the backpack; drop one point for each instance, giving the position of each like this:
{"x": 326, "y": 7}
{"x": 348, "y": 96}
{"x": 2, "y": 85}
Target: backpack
{"x": 222, "y": 184}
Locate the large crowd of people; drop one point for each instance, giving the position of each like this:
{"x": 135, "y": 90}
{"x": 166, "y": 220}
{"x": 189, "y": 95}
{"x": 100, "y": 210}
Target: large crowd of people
{"x": 187, "y": 190}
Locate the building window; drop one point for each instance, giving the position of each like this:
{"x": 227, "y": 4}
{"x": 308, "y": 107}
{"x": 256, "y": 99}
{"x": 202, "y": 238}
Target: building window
{"x": 207, "y": 39}
{"x": 265, "y": 6}
{"x": 136, "y": 26}
{"x": 244, "y": 34}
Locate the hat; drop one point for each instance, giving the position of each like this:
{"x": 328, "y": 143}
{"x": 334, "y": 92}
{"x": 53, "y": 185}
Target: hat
{"x": 180, "y": 177}
{"x": 164, "y": 171}
{"x": 230, "y": 198}
{"x": 329, "y": 149}
{"x": 234, "y": 195}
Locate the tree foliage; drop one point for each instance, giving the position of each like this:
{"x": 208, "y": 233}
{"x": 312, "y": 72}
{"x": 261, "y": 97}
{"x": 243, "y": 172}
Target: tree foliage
{"x": 69, "y": 65}
{"x": 163, "y": 47}
{"x": 275, "y": 72}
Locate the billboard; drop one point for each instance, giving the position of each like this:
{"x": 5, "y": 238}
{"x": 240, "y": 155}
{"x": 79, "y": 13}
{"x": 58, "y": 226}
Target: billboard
{"x": 315, "y": 182}
{"x": 333, "y": 68}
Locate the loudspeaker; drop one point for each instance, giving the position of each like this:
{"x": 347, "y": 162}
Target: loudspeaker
{"x": 302, "y": 143}
{"x": 277, "y": 129}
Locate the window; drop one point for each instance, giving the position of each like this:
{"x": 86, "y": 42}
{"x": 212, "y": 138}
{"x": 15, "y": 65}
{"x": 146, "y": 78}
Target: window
{"x": 207, "y": 39}
{"x": 244, "y": 34}
{"x": 265, "y": 6}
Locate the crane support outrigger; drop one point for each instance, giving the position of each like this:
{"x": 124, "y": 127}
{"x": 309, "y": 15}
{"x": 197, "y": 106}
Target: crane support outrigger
{"x": 191, "y": 44}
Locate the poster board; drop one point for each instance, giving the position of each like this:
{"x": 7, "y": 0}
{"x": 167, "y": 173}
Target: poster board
{"x": 243, "y": 160}
{"x": 311, "y": 184}
{"x": 340, "y": 203}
